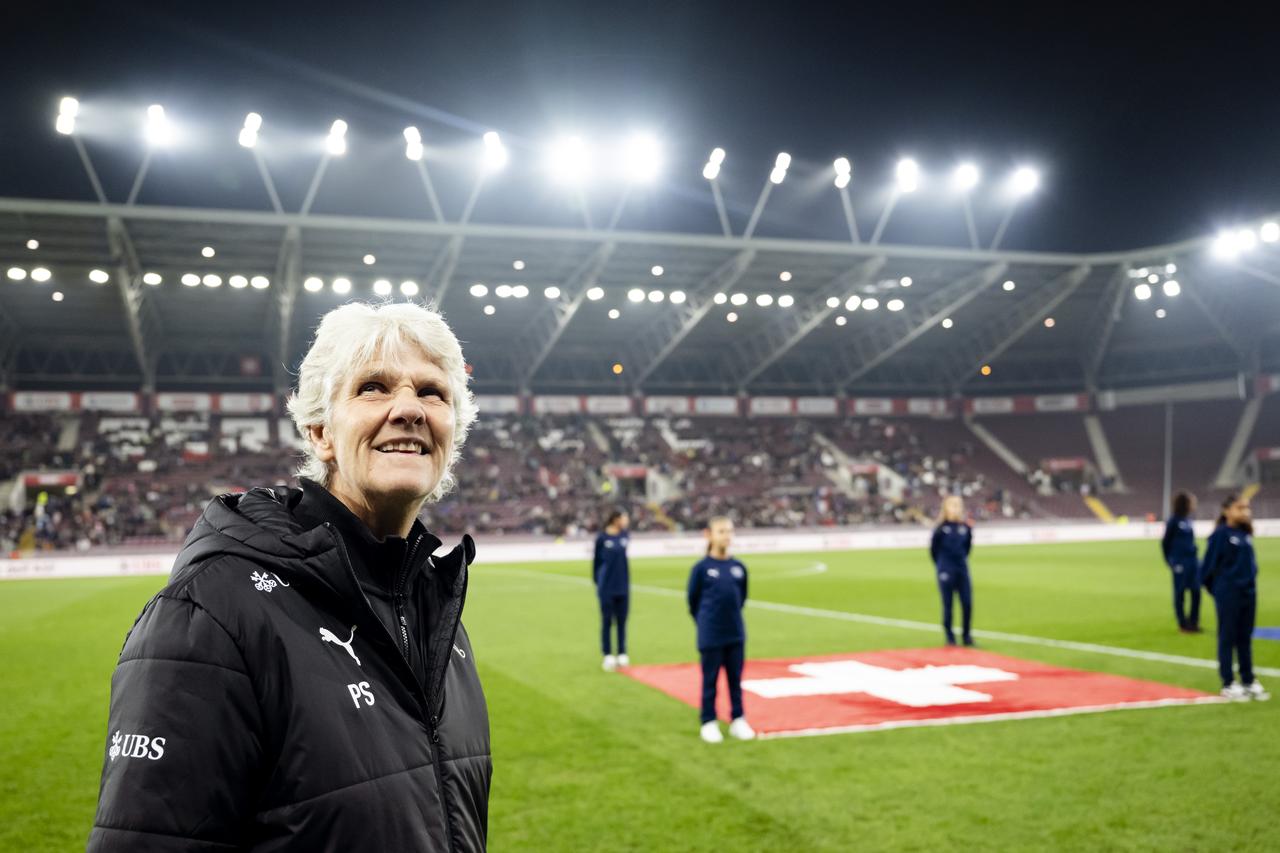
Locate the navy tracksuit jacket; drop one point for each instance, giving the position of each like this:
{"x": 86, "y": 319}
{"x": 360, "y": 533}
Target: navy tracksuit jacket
{"x": 717, "y": 593}
{"x": 1179, "y": 549}
{"x": 612, "y": 576}
{"x": 949, "y": 549}
{"x": 1230, "y": 572}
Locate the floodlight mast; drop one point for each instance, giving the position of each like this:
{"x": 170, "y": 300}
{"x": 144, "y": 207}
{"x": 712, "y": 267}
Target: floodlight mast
{"x": 963, "y": 180}
{"x": 1022, "y": 183}
{"x": 711, "y": 171}
{"x": 844, "y": 174}
{"x": 416, "y": 154}
{"x": 249, "y": 139}
{"x": 906, "y": 180}
{"x": 777, "y": 176}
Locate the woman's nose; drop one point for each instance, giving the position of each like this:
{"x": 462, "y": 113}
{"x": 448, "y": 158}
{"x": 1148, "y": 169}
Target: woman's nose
{"x": 407, "y": 408}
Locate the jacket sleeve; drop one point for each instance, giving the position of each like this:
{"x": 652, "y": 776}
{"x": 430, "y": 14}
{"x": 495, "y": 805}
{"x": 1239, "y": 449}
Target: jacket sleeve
{"x": 935, "y": 544}
{"x": 968, "y": 540}
{"x": 744, "y": 584}
{"x": 1167, "y": 542}
{"x": 1209, "y": 566}
{"x": 595, "y": 563}
{"x": 184, "y": 738}
{"x": 695, "y": 592}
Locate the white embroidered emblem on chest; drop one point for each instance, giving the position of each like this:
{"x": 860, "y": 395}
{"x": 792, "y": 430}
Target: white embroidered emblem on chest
{"x": 713, "y": 573}
{"x": 266, "y": 581}
{"x": 736, "y": 571}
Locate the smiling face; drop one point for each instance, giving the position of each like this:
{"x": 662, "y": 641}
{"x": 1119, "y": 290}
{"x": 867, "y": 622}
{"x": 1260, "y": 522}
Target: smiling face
{"x": 390, "y": 435}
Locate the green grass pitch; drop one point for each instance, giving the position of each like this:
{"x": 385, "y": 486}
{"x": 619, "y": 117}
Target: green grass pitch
{"x": 586, "y": 760}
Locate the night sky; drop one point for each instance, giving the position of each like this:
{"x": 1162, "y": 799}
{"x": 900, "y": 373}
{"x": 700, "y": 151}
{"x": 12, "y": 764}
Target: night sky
{"x": 1148, "y": 129}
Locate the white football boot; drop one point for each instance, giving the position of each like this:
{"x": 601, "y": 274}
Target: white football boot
{"x": 710, "y": 732}
{"x": 624, "y": 660}
{"x": 1235, "y": 692}
{"x": 1256, "y": 691}
{"x": 741, "y": 729}
{"x": 610, "y": 663}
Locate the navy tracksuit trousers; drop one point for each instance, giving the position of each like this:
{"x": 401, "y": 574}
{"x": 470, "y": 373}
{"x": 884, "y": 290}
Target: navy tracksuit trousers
{"x": 731, "y": 658}
{"x": 952, "y": 583}
{"x": 1186, "y": 584}
{"x": 1237, "y": 611}
{"x": 614, "y": 608}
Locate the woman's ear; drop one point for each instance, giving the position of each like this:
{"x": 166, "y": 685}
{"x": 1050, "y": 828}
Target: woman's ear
{"x": 321, "y": 443}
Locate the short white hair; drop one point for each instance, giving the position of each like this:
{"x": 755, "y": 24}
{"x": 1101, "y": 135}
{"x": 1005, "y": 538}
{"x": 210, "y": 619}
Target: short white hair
{"x": 352, "y": 336}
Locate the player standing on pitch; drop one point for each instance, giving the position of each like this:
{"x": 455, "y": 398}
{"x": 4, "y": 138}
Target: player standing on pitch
{"x": 717, "y": 592}
{"x": 1179, "y": 549}
{"x": 612, "y": 576}
{"x": 1230, "y": 572}
{"x": 949, "y": 549}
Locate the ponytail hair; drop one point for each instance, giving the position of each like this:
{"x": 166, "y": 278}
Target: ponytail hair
{"x": 1182, "y": 503}
{"x": 614, "y": 514}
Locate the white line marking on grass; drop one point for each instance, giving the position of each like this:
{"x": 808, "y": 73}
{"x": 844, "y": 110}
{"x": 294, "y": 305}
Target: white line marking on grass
{"x": 912, "y": 625}
{"x": 815, "y": 569}
{"x": 992, "y": 718}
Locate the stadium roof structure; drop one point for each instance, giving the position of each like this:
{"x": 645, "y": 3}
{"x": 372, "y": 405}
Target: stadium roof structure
{"x": 563, "y": 304}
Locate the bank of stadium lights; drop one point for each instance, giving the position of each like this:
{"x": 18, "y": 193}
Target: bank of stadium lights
{"x": 677, "y": 297}
{"x": 614, "y": 313}
{"x": 641, "y": 159}
{"x": 844, "y": 172}
{"x": 711, "y": 170}
{"x": 780, "y": 166}
{"x": 595, "y": 294}
{"x": 68, "y": 109}
{"x": 99, "y": 276}
{"x": 158, "y": 132}
{"x": 249, "y": 130}
{"x": 335, "y": 144}
{"x": 1232, "y": 243}
{"x": 906, "y": 175}
{"x": 965, "y": 177}
{"x": 495, "y": 155}
{"x": 551, "y": 292}
{"x": 568, "y": 160}
{"x": 413, "y": 149}
{"x": 153, "y": 279}
{"x": 1024, "y": 181}
{"x": 1269, "y": 232}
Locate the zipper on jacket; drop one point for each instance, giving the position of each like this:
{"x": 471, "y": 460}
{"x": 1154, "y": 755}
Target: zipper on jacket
{"x": 398, "y": 593}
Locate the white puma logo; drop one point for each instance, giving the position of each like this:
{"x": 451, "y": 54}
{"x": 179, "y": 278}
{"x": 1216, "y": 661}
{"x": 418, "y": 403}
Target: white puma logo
{"x": 328, "y": 636}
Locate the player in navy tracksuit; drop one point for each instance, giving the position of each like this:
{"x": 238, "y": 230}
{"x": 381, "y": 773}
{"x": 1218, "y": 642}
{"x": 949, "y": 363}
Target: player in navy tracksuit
{"x": 717, "y": 592}
{"x": 1179, "y": 549}
{"x": 950, "y": 547}
{"x": 612, "y": 576}
{"x": 1230, "y": 572}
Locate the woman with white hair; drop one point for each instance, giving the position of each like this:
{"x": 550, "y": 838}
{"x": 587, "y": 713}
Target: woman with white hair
{"x": 303, "y": 682}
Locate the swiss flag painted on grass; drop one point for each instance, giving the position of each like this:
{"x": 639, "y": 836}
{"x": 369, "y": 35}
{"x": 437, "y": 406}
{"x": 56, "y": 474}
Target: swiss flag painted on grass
{"x": 910, "y": 687}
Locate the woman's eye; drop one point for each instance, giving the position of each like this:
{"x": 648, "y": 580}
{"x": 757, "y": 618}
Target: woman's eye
{"x": 431, "y": 392}
{"x": 369, "y": 386}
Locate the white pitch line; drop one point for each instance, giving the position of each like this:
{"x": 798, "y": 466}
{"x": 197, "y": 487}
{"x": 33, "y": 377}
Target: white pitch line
{"x": 912, "y": 625}
{"x": 815, "y": 569}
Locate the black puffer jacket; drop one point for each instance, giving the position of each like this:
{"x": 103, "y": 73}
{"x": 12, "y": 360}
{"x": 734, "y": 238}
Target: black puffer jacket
{"x": 261, "y": 705}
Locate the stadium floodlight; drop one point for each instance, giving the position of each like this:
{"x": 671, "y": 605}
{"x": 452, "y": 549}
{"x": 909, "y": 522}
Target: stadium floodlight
{"x": 1024, "y": 181}
{"x": 841, "y": 320}
{"x": 1153, "y": 279}
{"x": 1049, "y": 322}
{"x": 33, "y": 244}
{"x": 907, "y": 175}
{"x": 895, "y": 305}
{"x": 905, "y": 281}
{"x": 720, "y": 298}
{"x": 965, "y": 177}
{"x": 382, "y": 287}
{"x": 947, "y": 323}
{"x": 1269, "y": 233}
{"x": 1161, "y": 313}
{"x": 239, "y": 282}
{"x": 68, "y": 109}
{"x": 413, "y": 143}
{"x": 1224, "y": 246}
{"x": 569, "y": 160}
{"x": 502, "y": 291}
{"x": 99, "y": 276}
{"x": 784, "y": 276}
{"x": 656, "y": 296}
{"x": 635, "y": 294}
{"x": 786, "y": 300}
{"x": 336, "y": 143}
{"x": 158, "y": 131}
{"x": 732, "y": 316}
{"x": 641, "y": 158}
{"x": 192, "y": 280}
{"x": 1009, "y": 286}
{"x": 764, "y": 300}
{"x": 844, "y": 172}
{"x": 614, "y": 313}
{"x": 57, "y": 296}
{"x": 517, "y": 265}
{"x": 152, "y": 278}
{"x": 408, "y": 287}
{"x": 677, "y": 297}
{"x": 489, "y": 310}
{"x": 495, "y": 153}
{"x": 212, "y": 280}
{"x": 479, "y": 291}
{"x": 1172, "y": 288}
{"x": 833, "y": 301}
{"x": 1142, "y": 291}
{"x": 249, "y": 132}
{"x": 656, "y": 270}
{"x": 208, "y": 252}
{"x": 738, "y": 299}
{"x": 1246, "y": 239}
{"x": 369, "y": 260}
{"x": 871, "y": 303}
{"x": 342, "y": 285}
{"x": 16, "y": 273}
{"x": 520, "y": 291}
{"x": 780, "y": 166}
{"x": 551, "y": 292}
{"x": 711, "y": 171}
{"x": 312, "y": 285}
{"x": 259, "y": 282}
{"x": 41, "y": 274}
{"x": 595, "y": 294}
{"x": 852, "y": 303}
{"x": 1170, "y": 269}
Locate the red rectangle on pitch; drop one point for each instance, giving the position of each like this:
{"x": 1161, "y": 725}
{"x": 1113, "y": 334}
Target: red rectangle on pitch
{"x": 910, "y": 687}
